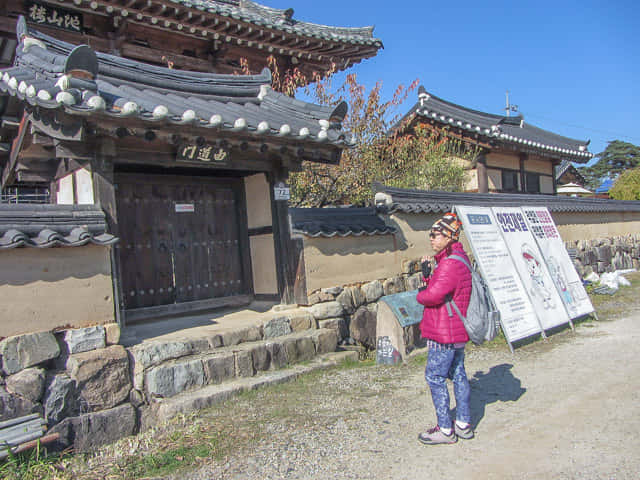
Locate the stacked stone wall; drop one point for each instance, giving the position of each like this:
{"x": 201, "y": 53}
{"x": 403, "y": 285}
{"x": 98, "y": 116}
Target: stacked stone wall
{"x": 606, "y": 254}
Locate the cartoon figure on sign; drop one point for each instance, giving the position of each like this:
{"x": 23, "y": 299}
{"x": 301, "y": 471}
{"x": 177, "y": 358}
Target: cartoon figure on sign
{"x": 539, "y": 288}
{"x": 559, "y": 278}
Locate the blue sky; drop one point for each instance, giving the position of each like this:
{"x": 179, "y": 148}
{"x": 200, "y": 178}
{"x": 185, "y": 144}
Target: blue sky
{"x": 571, "y": 67}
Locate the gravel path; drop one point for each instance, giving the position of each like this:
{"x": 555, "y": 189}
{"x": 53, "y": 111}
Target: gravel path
{"x": 564, "y": 409}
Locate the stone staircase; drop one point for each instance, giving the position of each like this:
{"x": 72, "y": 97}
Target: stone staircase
{"x": 198, "y": 367}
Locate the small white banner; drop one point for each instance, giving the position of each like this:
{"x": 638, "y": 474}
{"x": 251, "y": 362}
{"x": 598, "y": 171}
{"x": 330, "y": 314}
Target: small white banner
{"x": 185, "y": 208}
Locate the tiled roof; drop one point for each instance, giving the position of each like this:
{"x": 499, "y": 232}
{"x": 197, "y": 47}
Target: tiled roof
{"x": 499, "y": 129}
{"x": 329, "y": 222}
{"x": 125, "y": 89}
{"x": 390, "y": 200}
{"x": 44, "y": 226}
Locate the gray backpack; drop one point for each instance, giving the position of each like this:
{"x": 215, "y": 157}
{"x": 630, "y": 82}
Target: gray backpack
{"x": 482, "y": 317}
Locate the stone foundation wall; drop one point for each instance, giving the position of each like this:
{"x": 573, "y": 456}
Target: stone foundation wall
{"x": 606, "y": 255}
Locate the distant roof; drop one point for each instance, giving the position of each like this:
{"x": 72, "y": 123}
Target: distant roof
{"x": 605, "y": 186}
{"x": 329, "y": 222}
{"x": 124, "y": 89}
{"x": 390, "y": 200}
{"x": 497, "y": 129}
{"x": 45, "y": 226}
{"x": 566, "y": 166}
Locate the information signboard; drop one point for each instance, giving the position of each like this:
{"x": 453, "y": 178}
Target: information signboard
{"x": 494, "y": 260}
{"x": 563, "y": 273}
{"x": 531, "y": 267}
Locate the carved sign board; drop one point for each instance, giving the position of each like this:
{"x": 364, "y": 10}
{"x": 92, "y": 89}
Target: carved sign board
{"x": 202, "y": 154}
{"x": 281, "y": 192}
{"x": 54, "y": 17}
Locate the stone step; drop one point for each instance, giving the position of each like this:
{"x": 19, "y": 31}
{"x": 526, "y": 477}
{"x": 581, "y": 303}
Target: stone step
{"x": 186, "y": 402}
{"x": 176, "y": 368}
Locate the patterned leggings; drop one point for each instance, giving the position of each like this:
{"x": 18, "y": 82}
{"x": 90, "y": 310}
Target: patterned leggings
{"x": 444, "y": 363}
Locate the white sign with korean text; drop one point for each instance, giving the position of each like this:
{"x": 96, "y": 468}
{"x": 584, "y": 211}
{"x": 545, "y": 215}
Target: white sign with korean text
{"x": 563, "y": 273}
{"x": 494, "y": 260}
{"x": 531, "y": 267}
{"x": 281, "y": 192}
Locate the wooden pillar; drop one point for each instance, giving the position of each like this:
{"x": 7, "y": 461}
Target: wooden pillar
{"x": 553, "y": 177}
{"x": 483, "y": 178}
{"x": 523, "y": 177}
{"x": 286, "y": 250}
{"x": 104, "y": 194}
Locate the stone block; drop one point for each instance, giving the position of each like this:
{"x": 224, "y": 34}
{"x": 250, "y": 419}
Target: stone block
{"x": 92, "y": 430}
{"x": 325, "y": 340}
{"x": 13, "y": 406}
{"x": 332, "y": 290}
{"x": 411, "y": 266}
{"x": 305, "y": 348}
{"x": 301, "y": 320}
{"x": 321, "y": 311}
{"x": 112, "y": 333}
{"x": 603, "y": 254}
{"x": 338, "y": 324}
{"x": 23, "y": 351}
{"x": 243, "y": 363}
{"x": 291, "y": 352}
{"x": 362, "y": 327}
{"x": 351, "y": 298}
{"x": 414, "y": 282}
{"x": 170, "y": 379}
{"x": 372, "y": 291}
{"x": 84, "y": 339}
{"x": 276, "y": 327}
{"x": 393, "y": 285}
{"x": 277, "y": 354}
{"x": 60, "y": 400}
{"x": 215, "y": 341}
{"x": 28, "y": 383}
{"x": 318, "y": 297}
{"x": 146, "y": 355}
{"x": 219, "y": 368}
{"x": 136, "y": 398}
{"x": 260, "y": 357}
{"x": 102, "y": 377}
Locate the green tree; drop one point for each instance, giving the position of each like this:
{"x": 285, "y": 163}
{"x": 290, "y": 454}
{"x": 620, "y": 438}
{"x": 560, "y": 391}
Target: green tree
{"x": 627, "y": 186}
{"x": 420, "y": 159}
{"x": 615, "y": 159}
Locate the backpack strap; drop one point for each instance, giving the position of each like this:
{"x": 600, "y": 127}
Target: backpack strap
{"x": 451, "y": 303}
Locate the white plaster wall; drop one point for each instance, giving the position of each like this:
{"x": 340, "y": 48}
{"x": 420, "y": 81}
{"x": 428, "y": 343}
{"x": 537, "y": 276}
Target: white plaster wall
{"x": 65, "y": 190}
{"x": 84, "y": 187}
{"x": 263, "y": 264}
{"x": 258, "y": 201}
{"x": 41, "y": 289}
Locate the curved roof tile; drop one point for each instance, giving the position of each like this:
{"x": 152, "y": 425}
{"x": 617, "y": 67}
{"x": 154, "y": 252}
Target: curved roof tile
{"x": 329, "y": 222}
{"x": 44, "y": 226}
{"x": 126, "y": 88}
{"x": 389, "y": 199}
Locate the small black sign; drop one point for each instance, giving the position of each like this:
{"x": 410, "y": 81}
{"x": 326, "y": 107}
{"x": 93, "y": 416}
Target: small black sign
{"x": 54, "y": 17}
{"x": 205, "y": 153}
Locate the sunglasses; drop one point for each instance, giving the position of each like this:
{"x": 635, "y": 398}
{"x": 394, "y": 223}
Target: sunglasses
{"x": 434, "y": 234}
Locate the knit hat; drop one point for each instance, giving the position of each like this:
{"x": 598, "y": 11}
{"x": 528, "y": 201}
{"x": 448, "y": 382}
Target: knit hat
{"x": 449, "y": 226}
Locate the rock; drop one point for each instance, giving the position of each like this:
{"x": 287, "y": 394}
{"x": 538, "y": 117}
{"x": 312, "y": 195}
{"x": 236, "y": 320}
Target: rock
{"x": 219, "y": 367}
{"x": 299, "y": 349}
{"x": 13, "y": 406}
{"x": 235, "y": 337}
{"x": 28, "y": 383}
{"x": 283, "y": 307}
{"x": 84, "y": 339}
{"x": 321, "y": 311}
{"x": 112, "y": 333}
{"x": 136, "y": 398}
{"x": 393, "y": 285}
{"x": 603, "y": 254}
{"x": 321, "y": 296}
{"x": 60, "y": 399}
{"x": 301, "y": 320}
{"x": 243, "y": 363}
{"x": 351, "y": 298}
{"x": 277, "y": 354}
{"x": 325, "y": 340}
{"x": 102, "y": 377}
{"x": 372, "y": 291}
{"x": 170, "y": 379}
{"x": 362, "y": 327}
{"x": 276, "y": 327}
{"x": 23, "y": 351}
{"x": 260, "y": 357}
{"x": 332, "y": 290}
{"x": 338, "y": 324}
{"x": 150, "y": 354}
{"x": 89, "y": 431}
{"x": 414, "y": 281}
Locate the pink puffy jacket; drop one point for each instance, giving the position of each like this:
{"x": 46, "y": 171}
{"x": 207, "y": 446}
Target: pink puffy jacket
{"x": 450, "y": 277}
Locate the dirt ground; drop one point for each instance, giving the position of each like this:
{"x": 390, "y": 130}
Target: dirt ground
{"x": 567, "y": 408}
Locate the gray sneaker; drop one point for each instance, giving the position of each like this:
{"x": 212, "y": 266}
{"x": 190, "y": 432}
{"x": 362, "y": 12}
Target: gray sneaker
{"x": 435, "y": 436}
{"x": 464, "y": 433}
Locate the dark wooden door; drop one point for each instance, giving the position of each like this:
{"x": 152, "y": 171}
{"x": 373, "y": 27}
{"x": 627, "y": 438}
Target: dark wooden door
{"x": 181, "y": 239}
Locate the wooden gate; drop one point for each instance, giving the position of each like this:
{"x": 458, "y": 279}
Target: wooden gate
{"x": 182, "y": 240}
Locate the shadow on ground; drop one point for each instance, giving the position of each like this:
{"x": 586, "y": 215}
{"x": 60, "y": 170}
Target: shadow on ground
{"x": 498, "y": 384}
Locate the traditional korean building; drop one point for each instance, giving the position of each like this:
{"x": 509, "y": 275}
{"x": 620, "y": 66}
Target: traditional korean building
{"x": 188, "y": 168}
{"x": 514, "y": 155}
